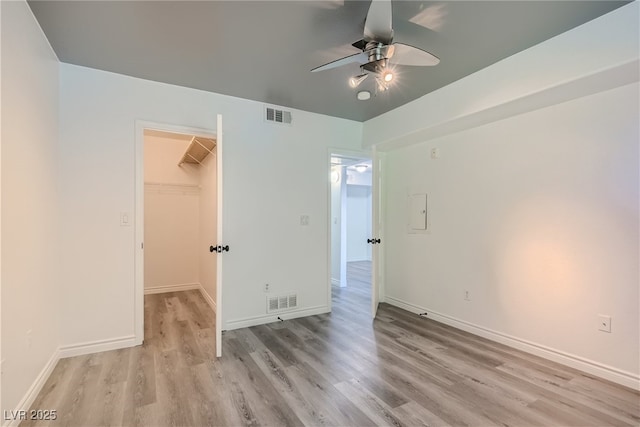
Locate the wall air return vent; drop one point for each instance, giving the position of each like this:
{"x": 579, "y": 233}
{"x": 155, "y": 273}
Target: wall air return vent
{"x": 277, "y": 116}
{"x": 282, "y": 303}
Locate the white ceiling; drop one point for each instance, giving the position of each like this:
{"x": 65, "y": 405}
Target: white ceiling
{"x": 264, "y": 50}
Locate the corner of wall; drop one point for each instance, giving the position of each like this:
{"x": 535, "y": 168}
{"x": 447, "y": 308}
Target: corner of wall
{"x": 29, "y": 207}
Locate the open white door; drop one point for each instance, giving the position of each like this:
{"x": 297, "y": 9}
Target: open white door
{"x": 377, "y": 253}
{"x": 220, "y": 257}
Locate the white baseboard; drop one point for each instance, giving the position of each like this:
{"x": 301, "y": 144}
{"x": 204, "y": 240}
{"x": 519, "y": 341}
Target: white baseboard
{"x": 171, "y": 288}
{"x": 34, "y": 390}
{"x": 610, "y": 373}
{"x": 182, "y": 287}
{"x": 273, "y": 317}
{"x": 97, "y": 346}
{"x": 208, "y": 298}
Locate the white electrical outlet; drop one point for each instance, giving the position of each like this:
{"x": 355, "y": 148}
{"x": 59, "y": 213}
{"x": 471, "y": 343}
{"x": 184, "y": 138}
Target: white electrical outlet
{"x": 435, "y": 153}
{"x": 467, "y": 295}
{"x": 604, "y": 323}
{"x": 304, "y": 220}
{"x": 266, "y": 287}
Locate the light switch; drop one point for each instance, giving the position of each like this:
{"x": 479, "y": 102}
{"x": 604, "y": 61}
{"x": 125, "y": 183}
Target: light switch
{"x": 124, "y": 219}
{"x": 418, "y": 211}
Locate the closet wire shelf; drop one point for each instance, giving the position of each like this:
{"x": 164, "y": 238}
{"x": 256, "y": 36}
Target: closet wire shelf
{"x": 198, "y": 149}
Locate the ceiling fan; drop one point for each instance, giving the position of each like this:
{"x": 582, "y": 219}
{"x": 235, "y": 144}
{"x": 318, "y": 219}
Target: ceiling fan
{"x": 379, "y": 52}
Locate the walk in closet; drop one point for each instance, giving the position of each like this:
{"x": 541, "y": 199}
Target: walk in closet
{"x": 179, "y": 213}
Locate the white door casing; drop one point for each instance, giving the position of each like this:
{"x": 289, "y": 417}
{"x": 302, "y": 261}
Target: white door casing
{"x": 376, "y": 220}
{"x": 377, "y": 232}
{"x": 219, "y": 157}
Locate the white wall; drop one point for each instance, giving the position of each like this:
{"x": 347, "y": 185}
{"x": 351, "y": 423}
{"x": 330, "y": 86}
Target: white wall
{"x": 171, "y": 214}
{"x": 536, "y": 215}
{"x": 208, "y": 217}
{"x": 358, "y": 222}
{"x": 359, "y": 178}
{"x": 161, "y": 157}
{"x": 273, "y": 174}
{"x": 30, "y": 254}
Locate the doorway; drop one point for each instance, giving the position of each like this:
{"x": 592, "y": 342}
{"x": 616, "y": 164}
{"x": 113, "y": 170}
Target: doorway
{"x": 351, "y": 221}
{"x": 179, "y": 213}
{"x": 178, "y": 203}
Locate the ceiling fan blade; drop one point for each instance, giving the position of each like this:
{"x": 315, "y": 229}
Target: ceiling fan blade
{"x": 405, "y": 54}
{"x": 378, "y": 25}
{"x": 361, "y": 58}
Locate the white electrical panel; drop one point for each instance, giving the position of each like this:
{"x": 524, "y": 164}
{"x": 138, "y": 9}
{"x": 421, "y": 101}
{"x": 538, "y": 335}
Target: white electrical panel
{"x": 418, "y": 212}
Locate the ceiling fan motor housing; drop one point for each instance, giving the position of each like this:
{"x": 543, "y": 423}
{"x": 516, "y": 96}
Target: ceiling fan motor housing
{"x": 378, "y": 56}
{"x": 376, "y": 66}
{"x": 377, "y": 51}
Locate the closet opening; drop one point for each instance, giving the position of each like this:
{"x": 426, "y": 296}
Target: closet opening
{"x": 180, "y": 224}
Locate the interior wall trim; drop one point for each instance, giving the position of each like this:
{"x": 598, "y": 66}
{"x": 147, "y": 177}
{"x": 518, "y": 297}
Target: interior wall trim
{"x": 172, "y": 288}
{"x": 601, "y": 370}
{"x": 33, "y": 391}
{"x": 273, "y": 317}
{"x": 208, "y": 298}
{"x": 97, "y": 346}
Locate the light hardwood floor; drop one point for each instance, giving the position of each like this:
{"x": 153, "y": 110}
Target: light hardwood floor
{"x": 338, "y": 369}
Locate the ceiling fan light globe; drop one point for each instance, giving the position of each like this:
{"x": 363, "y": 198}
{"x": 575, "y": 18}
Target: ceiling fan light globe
{"x": 356, "y": 80}
{"x": 382, "y": 85}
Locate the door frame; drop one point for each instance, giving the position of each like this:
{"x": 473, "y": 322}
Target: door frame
{"x": 377, "y": 230}
{"x": 348, "y": 153}
{"x": 219, "y": 232}
{"x": 138, "y": 293}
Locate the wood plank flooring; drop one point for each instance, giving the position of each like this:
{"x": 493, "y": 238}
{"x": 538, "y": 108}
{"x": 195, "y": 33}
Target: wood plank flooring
{"x": 338, "y": 369}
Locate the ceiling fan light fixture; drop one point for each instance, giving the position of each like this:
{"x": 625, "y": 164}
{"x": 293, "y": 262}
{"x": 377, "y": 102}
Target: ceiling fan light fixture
{"x": 361, "y": 168}
{"x": 356, "y": 80}
{"x": 382, "y": 85}
{"x": 387, "y": 75}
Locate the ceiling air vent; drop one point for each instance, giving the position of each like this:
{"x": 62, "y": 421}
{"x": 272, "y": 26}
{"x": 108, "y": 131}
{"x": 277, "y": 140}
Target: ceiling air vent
{"x": 277, "y": 116}
{"x": 282, "y": 303}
